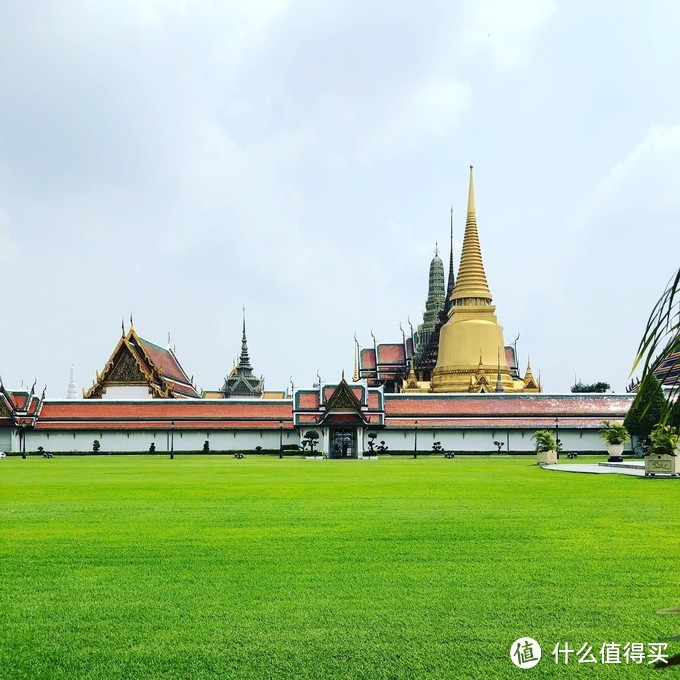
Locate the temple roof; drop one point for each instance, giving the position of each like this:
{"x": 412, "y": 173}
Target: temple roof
{"x": 668, "y": 371}
{"x": 159, "y": 413}
{"x": 136, "y": 361}
{"x": 241, "y": 381}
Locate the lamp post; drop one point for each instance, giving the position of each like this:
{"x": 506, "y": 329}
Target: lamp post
{"x": 22, "y": 439}
{"x": 557, "y": 436}
{"x": 172, "y": 440}
{"x": 415, "y": 442}
{"x": 280, "y": 439}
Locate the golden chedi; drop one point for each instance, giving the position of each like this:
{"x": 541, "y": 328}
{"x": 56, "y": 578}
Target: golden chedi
{"x": 471, "y": 341}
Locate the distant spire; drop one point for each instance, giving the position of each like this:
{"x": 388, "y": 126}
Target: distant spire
{"x": 169, "y": 343}
{"x": 436, "y": 249}
{"x": 452, "y": 279}
{"x": 471, "y": 281}
{"x": 132, "y": 323}
{"x": 355, "y": 375}
{"x": 72, "y": 392}
{"x": 244, "y": 359}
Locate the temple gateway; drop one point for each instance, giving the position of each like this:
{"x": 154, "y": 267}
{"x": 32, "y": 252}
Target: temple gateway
{"x": 452, "y": 384}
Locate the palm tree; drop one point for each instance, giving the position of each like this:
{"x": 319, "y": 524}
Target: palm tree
{"x": 659, "y": 350}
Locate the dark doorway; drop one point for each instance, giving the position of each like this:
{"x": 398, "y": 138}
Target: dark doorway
{"x": 343, "y": 443}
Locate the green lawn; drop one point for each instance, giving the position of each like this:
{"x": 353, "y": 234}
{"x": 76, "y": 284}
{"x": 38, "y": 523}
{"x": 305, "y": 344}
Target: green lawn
{"x": 144, "y": 567}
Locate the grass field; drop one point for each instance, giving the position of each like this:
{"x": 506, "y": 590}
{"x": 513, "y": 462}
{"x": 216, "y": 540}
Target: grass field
{"x": 144, "y": 567}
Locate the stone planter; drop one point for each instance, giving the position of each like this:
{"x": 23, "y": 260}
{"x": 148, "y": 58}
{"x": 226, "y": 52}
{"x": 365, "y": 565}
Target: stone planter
{"x": 546, "y": 458}
{"x": 615, "y": 451}
{"x": 661, "y": 464}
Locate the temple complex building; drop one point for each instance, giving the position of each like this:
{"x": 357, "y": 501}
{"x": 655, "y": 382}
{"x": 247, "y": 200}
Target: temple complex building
{"x": 471, "y": 345}
{"x": 459, "y": 346}
{"x": 141, "y": 369}
{"x": 242, "y": 382}
{"x": 452, "y": 383}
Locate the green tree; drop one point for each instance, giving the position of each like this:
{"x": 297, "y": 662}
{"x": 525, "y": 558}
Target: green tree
{"x": 646, "y": 409}
{"x": 312, "y": 438}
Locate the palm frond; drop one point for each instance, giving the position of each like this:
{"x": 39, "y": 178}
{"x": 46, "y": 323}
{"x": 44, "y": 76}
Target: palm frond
{"x": 660, "y": 344}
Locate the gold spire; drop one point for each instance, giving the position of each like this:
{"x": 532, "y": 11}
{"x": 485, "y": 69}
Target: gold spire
{"x": 530, "y": 383}
{"x": 471, "y": 281}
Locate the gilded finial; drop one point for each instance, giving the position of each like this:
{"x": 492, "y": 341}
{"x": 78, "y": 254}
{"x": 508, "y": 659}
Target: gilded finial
{"x": 471, "y": 283}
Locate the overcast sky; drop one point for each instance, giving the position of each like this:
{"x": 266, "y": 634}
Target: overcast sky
{"x": 179, "y": 160}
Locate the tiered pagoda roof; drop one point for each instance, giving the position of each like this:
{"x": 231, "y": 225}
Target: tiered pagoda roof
{"x": 241, "y": 381}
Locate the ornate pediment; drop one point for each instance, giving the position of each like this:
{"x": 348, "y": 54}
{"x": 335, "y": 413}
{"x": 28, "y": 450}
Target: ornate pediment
{"x": 126, "y": 369}
{"x": 343, "y": 399}
{"x": 4, "y": 411}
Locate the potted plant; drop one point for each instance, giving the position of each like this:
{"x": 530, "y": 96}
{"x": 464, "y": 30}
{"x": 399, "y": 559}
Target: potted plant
{"x": 661, "y": 457}
{"x": 615, "y": 436}
{"x": 545, "y": 447}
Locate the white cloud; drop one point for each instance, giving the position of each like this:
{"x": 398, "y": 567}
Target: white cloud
{"x": 505, "y": 28}
{"x": 10, "y": 253}
{"x": 418, "y": 113}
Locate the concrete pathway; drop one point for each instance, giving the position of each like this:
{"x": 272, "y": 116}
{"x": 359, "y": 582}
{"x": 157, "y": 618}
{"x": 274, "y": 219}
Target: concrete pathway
{"x": 633, "y": 468}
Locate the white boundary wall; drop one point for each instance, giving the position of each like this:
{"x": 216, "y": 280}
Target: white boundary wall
{"x": 140, "y": 440}
{"x": 458, "y": 440}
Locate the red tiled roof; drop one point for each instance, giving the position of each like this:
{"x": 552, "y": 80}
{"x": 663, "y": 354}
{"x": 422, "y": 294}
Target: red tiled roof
{"x": 367, "y": 358}
{"x": 547, "y": 422}
{"x": 594, "y": 406}
{"x": 391, "y": 354}
{"x": 165, "y": 425}
{"x": 166, "y": 409}
{"x": 307, "y": 418}
{"x": 668, "y": 372}
{"x": 19, "y": 398}
{"x": 509, "y": 356}
{"x": 373, "y": 400}
{"x": 165, "y": 360}
{"x": 343, "y": 418}
{"x": 308, "y": 400}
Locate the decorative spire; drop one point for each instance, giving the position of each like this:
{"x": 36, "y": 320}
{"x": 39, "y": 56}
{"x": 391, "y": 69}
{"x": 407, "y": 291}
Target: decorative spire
{"x": 452, "y": 279}
{"x": 471, "y": 281}
{"x": 499, "y": 381}
{"x": 412, "y": 379}
{"x": 72, "y": 392}
{"x": 355, "y": 375}
{"x": 244, "y": 359}
{"x": 436, "y": 298}
{"x": 169, "y": 344}
{"x": 530, "y": 383}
